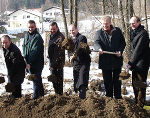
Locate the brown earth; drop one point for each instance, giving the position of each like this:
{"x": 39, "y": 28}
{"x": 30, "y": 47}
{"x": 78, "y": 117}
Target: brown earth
{"x": 53, "y": 106}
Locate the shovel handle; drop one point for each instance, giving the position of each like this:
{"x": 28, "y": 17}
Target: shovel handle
{"x": 106, "y": 52}
{"x": 26, "y": 64}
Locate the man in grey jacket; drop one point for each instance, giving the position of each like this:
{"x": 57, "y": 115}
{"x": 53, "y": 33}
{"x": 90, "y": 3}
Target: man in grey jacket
{"x": 111, "y": 39}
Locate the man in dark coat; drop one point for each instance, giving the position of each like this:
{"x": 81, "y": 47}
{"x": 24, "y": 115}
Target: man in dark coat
{"x": 15, "y": 65}
{"x": 56, "y": 55}
{"x": 111, "y": 39}
{"x": 33, "y": 50}
{"x": 81, "y": 62}
{"x": 140, "y": 56}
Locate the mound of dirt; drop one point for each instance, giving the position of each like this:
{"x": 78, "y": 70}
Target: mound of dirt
{"x": 54, "y": 106}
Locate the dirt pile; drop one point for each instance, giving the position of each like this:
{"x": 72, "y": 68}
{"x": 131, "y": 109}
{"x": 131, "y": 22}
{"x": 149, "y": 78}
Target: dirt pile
{"x": 53, "y": 106}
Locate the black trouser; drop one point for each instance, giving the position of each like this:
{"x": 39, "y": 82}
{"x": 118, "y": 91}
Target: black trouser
{"x": 58, "y": 85}
{"x": 112, "y": 82}
{"x": 140, "y": 93}
{"x": 17, "y": 91}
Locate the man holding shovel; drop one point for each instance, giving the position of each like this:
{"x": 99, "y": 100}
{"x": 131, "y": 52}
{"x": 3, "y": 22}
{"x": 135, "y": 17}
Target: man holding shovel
{"x": 15, "y": 65}
{"x": 81, "y": 61}
{"x": 56, "y": 55}
{"x": 110, "y": 42}
{"x": 139, "y": 59}
{"x": 33, "y": 51}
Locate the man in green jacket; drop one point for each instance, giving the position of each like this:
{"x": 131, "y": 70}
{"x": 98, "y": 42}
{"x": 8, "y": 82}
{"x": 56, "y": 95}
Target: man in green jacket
{"x": 33, "y": 50}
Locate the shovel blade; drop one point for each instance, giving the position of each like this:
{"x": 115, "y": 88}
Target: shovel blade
{"x": 10, "y": 87}
{"x": 2, "y": 80}
{"x": 31, "y": 77}
{"x": 52, "y": 78}
{"x": 124, "y": 75}
{"x": 140, "y": 84}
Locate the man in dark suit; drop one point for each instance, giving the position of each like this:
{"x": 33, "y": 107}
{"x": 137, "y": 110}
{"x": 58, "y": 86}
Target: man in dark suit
{"x": 81, "y": 62}
{"x": 140, "y": 58}
{"x": 15, "y": 65}
{"x": 56, "y": 55}
{"x": 110, "y": 39}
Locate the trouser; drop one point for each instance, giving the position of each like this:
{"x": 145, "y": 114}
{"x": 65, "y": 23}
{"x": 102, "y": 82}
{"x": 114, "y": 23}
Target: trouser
{"x": 58, "y": 85}
{"x": 17, "y": 91}
{"x": 140, "y": 93}
{"x": 112, "y": 82}
{"x": 81, "y": 78}
{"x": 38, "y": 89}
{"x": 82, "y": 91}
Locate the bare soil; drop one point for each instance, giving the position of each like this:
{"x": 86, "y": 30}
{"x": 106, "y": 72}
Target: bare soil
{"x": 55, "y": 106}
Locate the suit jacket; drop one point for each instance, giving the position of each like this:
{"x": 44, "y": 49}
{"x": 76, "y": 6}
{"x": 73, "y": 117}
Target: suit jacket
{"x": 15, "y": 64}
{"x": 113, "y": 42}
{"x": 140, "y": 51}
{"x": 56, "y": 53}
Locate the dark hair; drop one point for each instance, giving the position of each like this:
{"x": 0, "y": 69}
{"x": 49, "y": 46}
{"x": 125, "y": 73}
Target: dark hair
{"x": 53, "y": 23}
{"x": 31, "y": 22}
{"x": 6, "y": 36}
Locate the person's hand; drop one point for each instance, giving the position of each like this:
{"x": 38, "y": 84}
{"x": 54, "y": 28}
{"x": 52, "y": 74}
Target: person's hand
{"x": 28, "y": 66}
{"x": 128, "y": 67}
{"x": 72, "y": 58}
{"x": 118, "y": 53}
{"x": 101, "y": 51}
{"x": 51, "y": 68}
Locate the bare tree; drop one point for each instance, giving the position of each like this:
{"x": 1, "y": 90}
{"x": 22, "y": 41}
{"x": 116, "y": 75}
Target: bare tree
{"x": 103, "y": 7}
{"x": 145, "y": 12}
{"x": 70, "y": 6}
{"x": 120, "y": 8}
{"x": 75, "y": 12}
{"x": 64, "y": 18}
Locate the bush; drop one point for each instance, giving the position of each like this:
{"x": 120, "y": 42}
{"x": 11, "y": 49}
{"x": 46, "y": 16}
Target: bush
{"x": 2, "y": 30}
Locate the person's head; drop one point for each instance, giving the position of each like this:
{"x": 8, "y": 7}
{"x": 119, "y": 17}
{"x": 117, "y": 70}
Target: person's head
{"x": 31, "y": 25}
{"x": 134, "y": 22}
{"x": 106, "y": 23}
{"x": 73, "y": 30}
{"x": 6, "y": 41}
{"x": 54, "y": 28}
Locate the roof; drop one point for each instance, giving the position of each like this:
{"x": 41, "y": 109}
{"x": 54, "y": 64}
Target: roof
{"x": 54, "y": 7}
{"x": 30, "y": 11}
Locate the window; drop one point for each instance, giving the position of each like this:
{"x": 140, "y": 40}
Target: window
{"x": 14, "y": 17}
{"x": 28, "y": 16}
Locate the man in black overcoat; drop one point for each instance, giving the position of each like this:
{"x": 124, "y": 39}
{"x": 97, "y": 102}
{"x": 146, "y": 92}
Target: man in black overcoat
{"x": 56, "y": 55}
{"x": 139, "y": 59}
{"x": 81, "y": 62}
{"x": 15, "y": 65}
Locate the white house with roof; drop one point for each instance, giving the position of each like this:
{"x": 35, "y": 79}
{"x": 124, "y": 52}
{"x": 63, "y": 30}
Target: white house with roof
{"x": 19, "y": 18}
{"x": 53, "y": 13}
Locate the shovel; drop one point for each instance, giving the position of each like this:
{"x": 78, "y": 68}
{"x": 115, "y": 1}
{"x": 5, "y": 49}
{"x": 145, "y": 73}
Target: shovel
{"x": 52, "y": 78}
{"x": 124, "y": 74}
{"x": 106, "y": 52}
{"x": 10, "y": 87}
{"x": 2, "y": 80}
{"x": 31, "y": 77}
{"x": 139, "y": 83}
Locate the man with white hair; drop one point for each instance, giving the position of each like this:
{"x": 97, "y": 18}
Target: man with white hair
{"x": 111, "y": 39}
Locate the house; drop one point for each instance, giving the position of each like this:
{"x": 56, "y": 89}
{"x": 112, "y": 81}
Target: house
{"x": 53, "y": 13}
{"x": 20, "y": 17}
